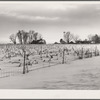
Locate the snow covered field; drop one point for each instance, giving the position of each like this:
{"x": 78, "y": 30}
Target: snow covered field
{"x": 80, "y": 74}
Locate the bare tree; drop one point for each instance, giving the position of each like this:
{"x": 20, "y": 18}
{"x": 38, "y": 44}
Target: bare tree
{"x": 35, "y": 35}
{"x": 39, "y": 36}
{"x": 67, "y": 37}
{"x": 90, "y": 37}
{"x": 75, "y": 38}
{"x": 96, "y": 38}
{"x": 19, "y": 35}
{"x": 22, "y": 36}
{"x": 25, "y": 37}
{"x": 31, "y": 36}
{"x": 28, "y": 37}
{"x": 13, "y": 38}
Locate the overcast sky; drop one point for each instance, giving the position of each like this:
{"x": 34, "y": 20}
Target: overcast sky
{"x": 49, "y": 18}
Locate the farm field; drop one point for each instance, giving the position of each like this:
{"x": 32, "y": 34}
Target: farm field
{"x": 79, "y": 74}
{"x": 18, "y": 59}
{"x": 50, "y": 66}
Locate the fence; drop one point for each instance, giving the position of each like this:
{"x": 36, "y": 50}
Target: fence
{"x": 21, "y": 59}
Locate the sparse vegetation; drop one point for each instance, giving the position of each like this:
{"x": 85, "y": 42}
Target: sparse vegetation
{"x": 26, "y": 57}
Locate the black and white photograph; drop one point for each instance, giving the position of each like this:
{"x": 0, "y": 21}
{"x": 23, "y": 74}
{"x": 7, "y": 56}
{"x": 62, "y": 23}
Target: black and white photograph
{"x": 50, "y": 45}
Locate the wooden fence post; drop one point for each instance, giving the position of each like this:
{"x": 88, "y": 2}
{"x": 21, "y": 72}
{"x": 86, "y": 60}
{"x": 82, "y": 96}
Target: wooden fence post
{"x": 24, "y": 62}
{"x": 41, "y": 53}
{"x": 63, "y": 57}
{"x": 82, "y": 52}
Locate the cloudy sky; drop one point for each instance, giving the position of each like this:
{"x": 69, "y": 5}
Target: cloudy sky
{"x": 49, "y": 18}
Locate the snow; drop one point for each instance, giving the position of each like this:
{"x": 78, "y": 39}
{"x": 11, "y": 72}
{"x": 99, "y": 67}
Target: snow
{"x": 78, "y": 75}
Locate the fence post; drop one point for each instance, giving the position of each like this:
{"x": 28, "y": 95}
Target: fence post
{"x": 82, "y": 53}
{"x": 41, "y": 53}
{"x": 63, "y": 61}
{"x": 24, "y": 63}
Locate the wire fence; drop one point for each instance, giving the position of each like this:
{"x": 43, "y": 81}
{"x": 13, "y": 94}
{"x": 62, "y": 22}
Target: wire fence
{"x": 21, "y": 59}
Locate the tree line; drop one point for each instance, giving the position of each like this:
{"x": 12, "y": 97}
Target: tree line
{"x": 69, "y": 38}
{"x": 33, "y": 37}
{"x": 24, "y": 37}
